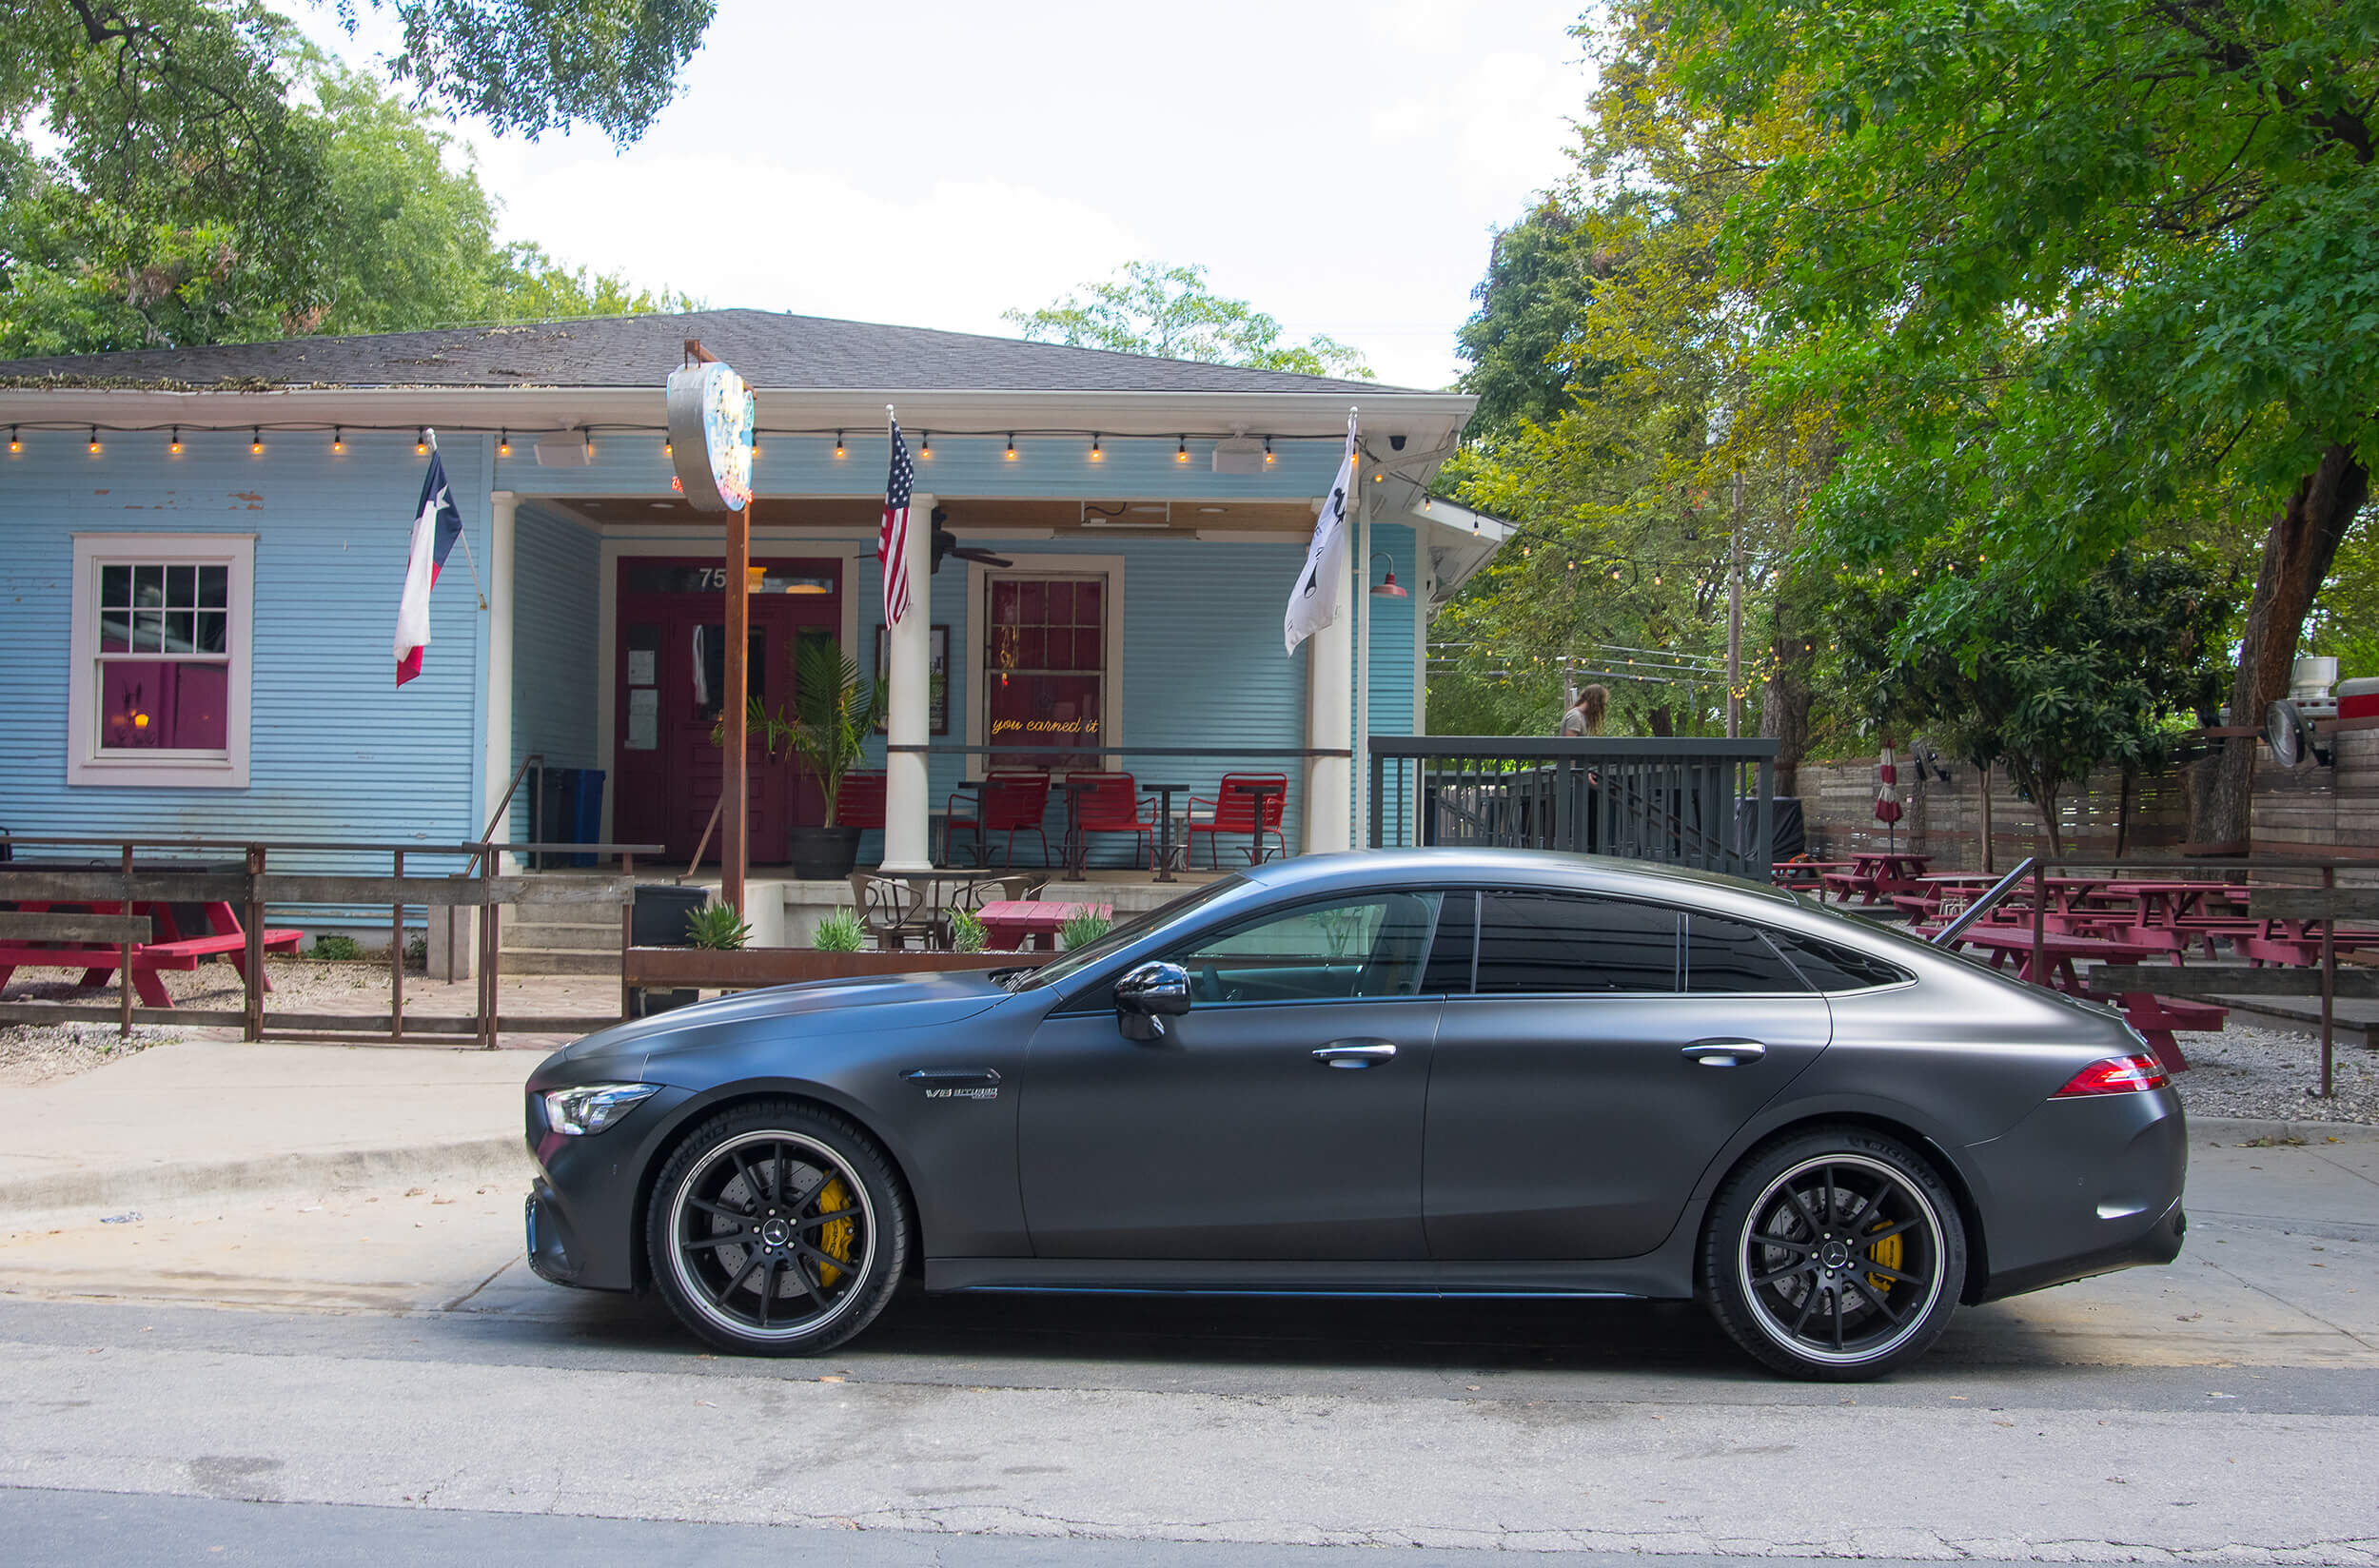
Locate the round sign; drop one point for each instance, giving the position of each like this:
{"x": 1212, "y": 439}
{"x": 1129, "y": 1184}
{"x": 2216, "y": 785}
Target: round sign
{"x": 711, "y": 417}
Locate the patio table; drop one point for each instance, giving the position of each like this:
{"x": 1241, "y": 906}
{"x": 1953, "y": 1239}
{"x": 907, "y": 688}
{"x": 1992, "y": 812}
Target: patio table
{"x": 1011, "y": 922}
{"x": 1806, "y": 875}
{"x": 1880, "y": 875}
{"x": 167, "y": 950}
{"x": 1165, "y": 845}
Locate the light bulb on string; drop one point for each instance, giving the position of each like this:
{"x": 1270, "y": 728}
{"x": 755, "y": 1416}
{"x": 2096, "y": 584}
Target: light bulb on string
{"x": 14, "y": 445}
{"x": 839, "y": 448}
{"x": 586, "y": 439}
{"x": 420, "y": 444}
{"x": 1180, "y": 450}
{"x": 925, "y": 447}
{"x": 339, "y": 442}
{"x": 94, "y": 441}
{"x": 503, "y": 444}
{"x": 174, "y": 445}
{"x": 1096, "y": 456}
{"x": 256, "y": 440}
{"x": 1267, "y": 453}
{"x": 1012, "y": 446}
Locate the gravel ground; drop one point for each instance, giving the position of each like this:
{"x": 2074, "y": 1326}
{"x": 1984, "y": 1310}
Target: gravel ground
{"x": 2271, "y": 1073}
{"x": 32, "y": 1052}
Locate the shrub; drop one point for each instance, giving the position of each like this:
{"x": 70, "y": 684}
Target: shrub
{"x": 337, "y": 949}
{"x": 1080, "y": 930}
{"x": 966, "y": 932}
{"x": 717, "y": 926}
{"x": 839, "y": 933}
{"x": 417, "y": 953}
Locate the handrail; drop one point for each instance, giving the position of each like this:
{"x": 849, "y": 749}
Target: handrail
{"x": 536, "y": 759}
{"x": 1981, "y": 907}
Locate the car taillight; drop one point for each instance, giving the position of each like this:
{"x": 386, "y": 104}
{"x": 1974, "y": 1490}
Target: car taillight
{"x": 2116, "y": 1075}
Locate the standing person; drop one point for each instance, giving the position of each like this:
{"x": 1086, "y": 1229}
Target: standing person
{"x": 1586, "y": 715}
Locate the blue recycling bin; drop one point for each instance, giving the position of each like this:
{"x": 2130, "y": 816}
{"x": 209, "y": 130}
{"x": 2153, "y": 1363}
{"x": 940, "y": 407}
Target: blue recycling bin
{"x": 585, "y": 804}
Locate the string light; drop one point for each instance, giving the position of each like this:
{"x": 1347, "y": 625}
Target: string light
{"x": 925, "y": 448}
{"x": 1096, "y": 456}
{"x": 174, "y": 445}
{"x": 339, "y": 442}
{"x": 503, "y": 444}
{"x": 421, "y": 442}
{"x": 1012, "y": 446}
{"x": 838, "y": 443}
{"x": 668, "y": 447}
{"x": 14, "y": 445}
{"x": 255, "y": 440}
{"x": 1180, "y": 450}
{"x": 94, "y": 441}
{"x": 1267, "y": 449}
{"x": 586, "y": 437}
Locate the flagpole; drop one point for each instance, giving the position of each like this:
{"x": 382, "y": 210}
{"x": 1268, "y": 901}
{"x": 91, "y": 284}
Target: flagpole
{"x": 1362, "y": 768}
{"x": 735, "y": 788}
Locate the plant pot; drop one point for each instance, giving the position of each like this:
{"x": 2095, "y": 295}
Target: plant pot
{"x": 823, "y": 855}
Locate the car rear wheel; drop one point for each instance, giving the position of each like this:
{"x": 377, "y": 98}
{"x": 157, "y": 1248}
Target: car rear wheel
{"x": 777, "y": 1229}
{"x": 1834, "y": 1254}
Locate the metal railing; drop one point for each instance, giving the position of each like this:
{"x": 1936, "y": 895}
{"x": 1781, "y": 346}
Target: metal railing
{"x": 1704, "y": 803}
{"x": 167, "y": 872}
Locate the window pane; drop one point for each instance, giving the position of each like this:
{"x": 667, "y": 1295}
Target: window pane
{"x": 1061, "y": 605}
{"x": 149, "y": 631}
{"x": 181, "y": 632}
{"x": 160, "y": 705}
{"x": 149, "y": 585}
{"x": 1032, "y": 603}
{"x": 1086, "y": 603}
{"x": 214, "y": 591}
{"x": 181, "y": 587}
{"x": 1731, "y": 955}
{"x": 115, "y": 586}
{"x": 210, "y": 631}
{"x": 1449, "y": 956}
{"x": 1004, "y": 603}
{"x": 1369, "y": 946}
{"x": 1557, "y": 942}
{"x": 1830, "y": 966}
{"x": 1032, "y": 649}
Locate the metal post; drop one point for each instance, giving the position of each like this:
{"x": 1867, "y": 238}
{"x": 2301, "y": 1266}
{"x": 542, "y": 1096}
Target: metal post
{"x": 2328, "y": 979}
{"x": 2040, "y": 921}
{"x": 627, "y": 928}
{"x": 733, "y": 852}
{"x": 123, "y": 954}
{"x": 253, "y": 1005}
{"x": 494, "y": 947}
{"x": 396, "y": 960}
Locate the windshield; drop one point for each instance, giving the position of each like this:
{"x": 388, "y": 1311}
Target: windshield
{"x": 1129, "y": 932}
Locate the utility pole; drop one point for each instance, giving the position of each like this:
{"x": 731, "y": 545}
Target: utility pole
{"x": 1735, "y": 616}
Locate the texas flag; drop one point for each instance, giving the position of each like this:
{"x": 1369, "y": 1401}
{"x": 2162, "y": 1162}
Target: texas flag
{"x": 435, "y": 525}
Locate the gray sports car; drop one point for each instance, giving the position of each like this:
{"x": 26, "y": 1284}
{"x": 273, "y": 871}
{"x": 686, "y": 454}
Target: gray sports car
{"x": 1432, "y": 1072}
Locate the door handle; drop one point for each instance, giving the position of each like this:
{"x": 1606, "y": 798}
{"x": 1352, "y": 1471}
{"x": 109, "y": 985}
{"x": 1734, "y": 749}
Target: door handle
{"x": 1725, "y": 1053}
{"x": 1353, "y": 1053}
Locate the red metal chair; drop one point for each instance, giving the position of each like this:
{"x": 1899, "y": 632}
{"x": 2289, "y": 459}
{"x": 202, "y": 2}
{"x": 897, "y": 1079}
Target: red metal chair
{"x": 1246, "y": 803}
{"x": 861, "y": 802}
{"x": 1008, "y": 802}
{"x": 1111, "y": 803}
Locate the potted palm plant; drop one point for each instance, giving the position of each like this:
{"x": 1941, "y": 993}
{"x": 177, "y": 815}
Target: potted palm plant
{"x": 833, "y": 715}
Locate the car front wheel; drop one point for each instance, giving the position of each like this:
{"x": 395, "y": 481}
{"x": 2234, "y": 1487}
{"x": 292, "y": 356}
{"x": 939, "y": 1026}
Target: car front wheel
{"x": 1834, "y": 1254}
{"x": 777, "y": 1229}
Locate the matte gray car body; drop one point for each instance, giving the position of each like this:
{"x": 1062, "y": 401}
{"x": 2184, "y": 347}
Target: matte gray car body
{"x": 1515, "y": 1143}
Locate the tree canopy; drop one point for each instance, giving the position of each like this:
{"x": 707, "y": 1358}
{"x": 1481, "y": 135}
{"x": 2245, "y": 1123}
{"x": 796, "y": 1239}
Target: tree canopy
{"x": 1171, "y": 313}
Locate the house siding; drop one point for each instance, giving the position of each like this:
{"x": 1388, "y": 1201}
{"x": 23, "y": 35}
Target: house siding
{"x": 337, "y": 751}
{"x": 555, "y": 659}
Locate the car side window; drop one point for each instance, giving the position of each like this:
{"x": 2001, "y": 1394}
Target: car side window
{"x": 1831, "y": 967}
{"x": 1536, "y": 943}
{"x": 1448, "y": 973}
{"x": 1374, "y": 946}
{"x": 1725, "y": 956}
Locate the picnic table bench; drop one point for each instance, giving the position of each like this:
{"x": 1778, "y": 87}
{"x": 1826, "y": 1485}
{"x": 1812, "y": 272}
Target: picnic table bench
{"x": 2156, "y": 1018}
{"x": 1010, "y": 924}
{"x": 175, "y": 952}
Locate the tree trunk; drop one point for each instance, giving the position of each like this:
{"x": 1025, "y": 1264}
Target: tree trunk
{"x": 1661, "y": 725}
{"x": 2296, "y": 555}
{"x": 1785, "y": 710}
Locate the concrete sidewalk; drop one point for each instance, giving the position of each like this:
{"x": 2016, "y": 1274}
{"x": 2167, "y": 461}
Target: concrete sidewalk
{"x": 202, "y": 1118}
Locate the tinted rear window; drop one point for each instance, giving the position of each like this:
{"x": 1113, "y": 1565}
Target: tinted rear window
{"x": 1723, "y": 956}
{"x": 1830, "y": 966}
{"x": 1448, "y": 973}
{"x": 1540, "y": 942}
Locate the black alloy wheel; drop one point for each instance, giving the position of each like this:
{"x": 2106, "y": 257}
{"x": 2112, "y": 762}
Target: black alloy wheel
{"x": 1834, "y": 1254}
{"x": 777, "y": 1229}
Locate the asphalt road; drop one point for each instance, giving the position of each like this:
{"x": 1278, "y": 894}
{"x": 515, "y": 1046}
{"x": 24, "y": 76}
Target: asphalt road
{"x": 387, "y": 1386}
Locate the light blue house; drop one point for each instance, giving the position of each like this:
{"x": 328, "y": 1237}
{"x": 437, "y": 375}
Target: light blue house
{"x": 205, "y": 548}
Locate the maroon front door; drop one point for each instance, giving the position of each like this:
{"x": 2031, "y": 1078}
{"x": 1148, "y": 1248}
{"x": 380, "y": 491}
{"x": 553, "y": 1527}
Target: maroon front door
{"x": 671, "y": 674}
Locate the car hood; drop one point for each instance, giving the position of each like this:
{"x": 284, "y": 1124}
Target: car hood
{"x": 875, "y": 1002}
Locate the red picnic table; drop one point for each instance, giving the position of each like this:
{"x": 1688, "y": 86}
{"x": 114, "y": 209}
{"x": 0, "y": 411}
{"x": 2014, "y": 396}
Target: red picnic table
{"x": 1879, "y": 875}
{"x": 168, "y": 948}
{"x": 1008, "y": 923}
{"x": 2155, "y": 1017}
{"x": 1806, "y": 875}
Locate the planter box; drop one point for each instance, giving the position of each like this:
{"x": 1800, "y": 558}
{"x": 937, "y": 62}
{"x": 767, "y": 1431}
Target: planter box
{"x": 752, "y": 967}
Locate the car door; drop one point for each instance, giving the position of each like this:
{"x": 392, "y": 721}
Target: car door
{"x": 1279, "y": 1118}
{"x": 1606, "y": 1050}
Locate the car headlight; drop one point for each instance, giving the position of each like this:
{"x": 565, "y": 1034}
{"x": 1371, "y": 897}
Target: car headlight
{"x": 591, "y": 1107}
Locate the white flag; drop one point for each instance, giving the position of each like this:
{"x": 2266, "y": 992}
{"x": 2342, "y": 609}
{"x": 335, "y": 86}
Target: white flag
{"x": 1313, "y": 603}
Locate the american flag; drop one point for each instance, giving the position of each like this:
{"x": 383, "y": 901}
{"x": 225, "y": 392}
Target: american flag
{"x": 892, "y": 545}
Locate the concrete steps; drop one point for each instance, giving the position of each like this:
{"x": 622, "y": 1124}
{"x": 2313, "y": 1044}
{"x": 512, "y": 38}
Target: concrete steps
{"x": 543, "y": 938}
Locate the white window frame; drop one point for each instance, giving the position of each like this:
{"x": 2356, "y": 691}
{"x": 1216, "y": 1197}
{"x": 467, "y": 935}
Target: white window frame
{"x": 87, "y": 763}
{"x": 1029, "y": 564}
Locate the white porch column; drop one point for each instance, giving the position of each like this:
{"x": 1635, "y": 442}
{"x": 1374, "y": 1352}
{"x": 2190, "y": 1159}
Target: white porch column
{"x": 909, "y": 718}
{"x": 496, "y": 769}
{"x": 1330, "y": 706}
{"x": 1360, "y": 771}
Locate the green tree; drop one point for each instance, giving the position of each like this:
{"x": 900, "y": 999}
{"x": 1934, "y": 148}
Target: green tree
{"x": 1168, "y": 312}
{"x": 1521, "y": 339}
{"x": 2103, "y": 670}
{"x": 2075, "y": 274}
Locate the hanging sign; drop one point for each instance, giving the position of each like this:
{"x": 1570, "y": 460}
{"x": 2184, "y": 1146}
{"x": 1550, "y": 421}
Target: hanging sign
{"x": 711, "y": 417}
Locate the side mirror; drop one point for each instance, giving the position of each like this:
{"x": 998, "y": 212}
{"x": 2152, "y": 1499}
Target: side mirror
{"x": 1147, "y": 996}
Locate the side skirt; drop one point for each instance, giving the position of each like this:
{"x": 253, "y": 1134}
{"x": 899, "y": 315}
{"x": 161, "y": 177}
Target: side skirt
{"x": 1635, "y": 1278}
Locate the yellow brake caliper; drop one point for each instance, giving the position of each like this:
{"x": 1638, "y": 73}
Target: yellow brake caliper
{"x": 1887, "y": 1253}
{"x": 834, "y": 1236}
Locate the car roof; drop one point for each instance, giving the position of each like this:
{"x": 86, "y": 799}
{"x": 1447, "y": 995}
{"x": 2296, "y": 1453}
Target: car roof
{"x": 1523, "y": 868}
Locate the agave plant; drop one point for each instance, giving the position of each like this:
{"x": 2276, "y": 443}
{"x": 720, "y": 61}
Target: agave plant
{"x": 718, "y": 926}
{"x": 1080, "y": 930}
{"x": 833, "y": 715}
{"x": 967, "y": 932}
{"x": 839, "y": 933}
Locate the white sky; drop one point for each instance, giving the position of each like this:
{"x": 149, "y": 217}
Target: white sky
{"x": 934, "y": 163}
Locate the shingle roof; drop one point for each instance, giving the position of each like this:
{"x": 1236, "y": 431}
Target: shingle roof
{"x": 769, "y": 350}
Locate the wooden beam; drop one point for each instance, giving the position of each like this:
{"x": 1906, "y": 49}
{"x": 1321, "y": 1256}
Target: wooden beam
{"x": 76, "y": 1012}
{"x": 2314, "y": 903}
{"x": 113, "y": 887}
{"x": 2210, "y": 981}
{"x": 734, "y": 783}
{"x": 34, "y": 926}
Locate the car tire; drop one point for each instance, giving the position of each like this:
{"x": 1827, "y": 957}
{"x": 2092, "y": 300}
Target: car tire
{"x": 777, "y": 1228}
{"x": 1834, "y": 1254}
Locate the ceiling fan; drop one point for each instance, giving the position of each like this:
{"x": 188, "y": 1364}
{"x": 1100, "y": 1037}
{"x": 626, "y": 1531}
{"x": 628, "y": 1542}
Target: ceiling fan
{"x": 946, "y": 543}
